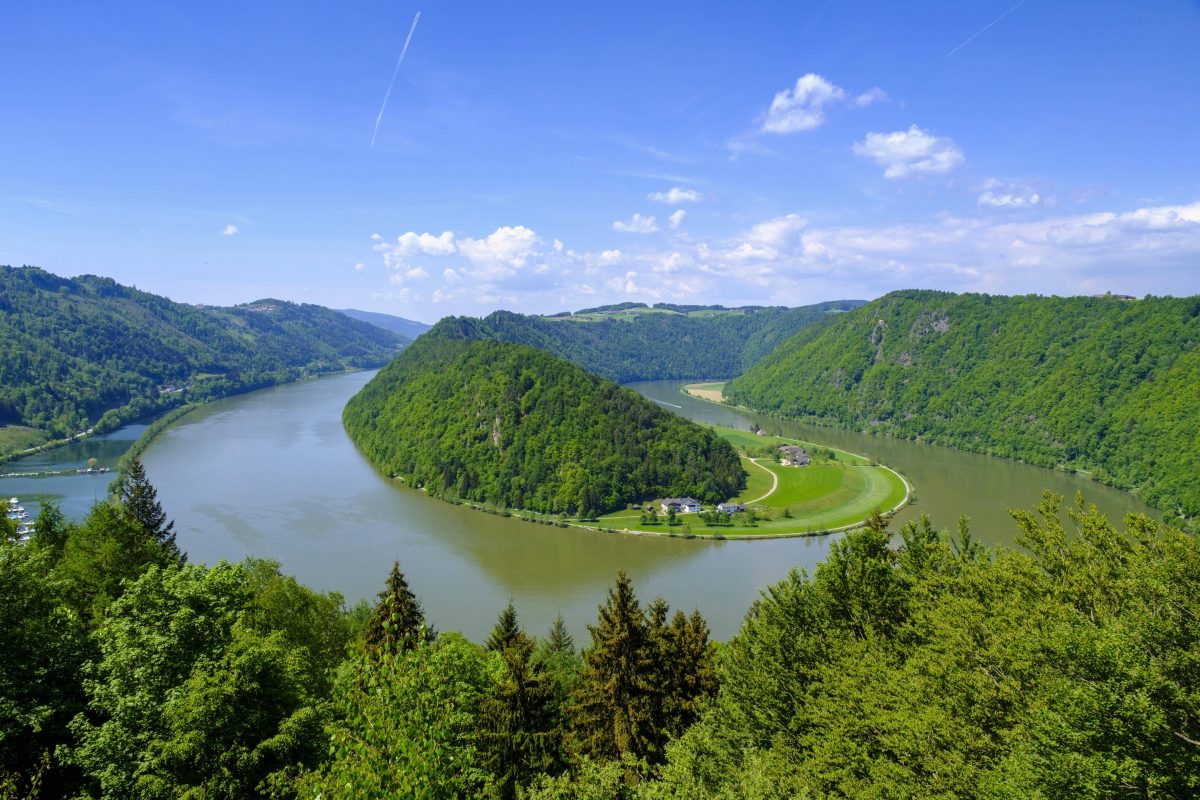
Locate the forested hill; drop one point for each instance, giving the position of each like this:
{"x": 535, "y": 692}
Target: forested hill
{"x": 507, "y": 424}
{"x": 1099, "y": 384}
{"x": 75, "y": 352}
{"x": 632, "y": 342}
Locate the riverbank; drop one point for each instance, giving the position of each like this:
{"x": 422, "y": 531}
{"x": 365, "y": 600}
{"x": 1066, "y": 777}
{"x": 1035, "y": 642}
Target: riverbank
{"x": 838, "y": 491}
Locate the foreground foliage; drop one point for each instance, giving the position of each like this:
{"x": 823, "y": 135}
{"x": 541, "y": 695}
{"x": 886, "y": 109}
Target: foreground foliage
{"x": 507, "y": 424}
{"x": 909, "y": 666}
{"x": 1095, "y": 384}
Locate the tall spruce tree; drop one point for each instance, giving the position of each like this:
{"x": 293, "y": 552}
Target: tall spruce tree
{"x": 687, "y": 674}
{"x": 139, "y": 502}
{"x": 615, "y": 702}
{"x": 398, "y": 621}
{"x": 519, "y": 733}
{"x": 560, "y": 639}
{"x": 506, "y": 631}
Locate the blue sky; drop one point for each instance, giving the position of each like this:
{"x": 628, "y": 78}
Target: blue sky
{"x": 552, "y": 156}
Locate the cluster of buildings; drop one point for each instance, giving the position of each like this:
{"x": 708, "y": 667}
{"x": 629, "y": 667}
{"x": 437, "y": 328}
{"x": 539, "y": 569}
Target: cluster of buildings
{"x": 690, "y": 505}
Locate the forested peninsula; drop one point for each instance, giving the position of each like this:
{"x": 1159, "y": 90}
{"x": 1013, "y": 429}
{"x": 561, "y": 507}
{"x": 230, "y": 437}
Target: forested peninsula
{"x": 1102, "y": 384}
{"x": 85, "y": 352}
{"x": 506, "y": 424}
{"x": 635, "y": 342}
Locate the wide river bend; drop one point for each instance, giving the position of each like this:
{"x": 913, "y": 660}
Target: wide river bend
{"x": 273, "y": 474}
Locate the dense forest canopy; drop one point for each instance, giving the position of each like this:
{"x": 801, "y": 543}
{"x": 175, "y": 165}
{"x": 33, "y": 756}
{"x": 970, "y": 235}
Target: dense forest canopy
{"x": 630, "y": 342}
{"x": 1101, "y": 384}
{"x": 501, "y": 423}
{"x": 77, "y": 352}
{"x": 911, "y": 663}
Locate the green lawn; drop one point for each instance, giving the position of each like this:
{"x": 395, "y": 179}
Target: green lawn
{"x": 14, "y": 438}
{"x": 825, "y": 495}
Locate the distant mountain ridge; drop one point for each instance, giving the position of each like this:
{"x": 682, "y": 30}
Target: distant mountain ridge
{"x": 408, "y": 328}
{"x": 511, "y": 425}
{"x": 88, "y": 352}
{"x": 632, "y": 341}
{"x": 1102, "y": 384}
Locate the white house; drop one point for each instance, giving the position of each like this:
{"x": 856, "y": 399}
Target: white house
{"x": 681, "y": 505}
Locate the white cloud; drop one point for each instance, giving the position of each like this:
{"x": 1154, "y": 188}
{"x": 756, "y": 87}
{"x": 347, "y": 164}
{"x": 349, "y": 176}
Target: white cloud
{"x": 229, "y": 230}
{"x": 425, "y": 243}
{"x": 675, "y": 195}
{"x": 789, "y": 260}
{"x": 777, "y": 232}
{"x": 359, "y": 267}
{"x": 627, "y": 284}
{"x": 998, "y": 194}
{"x": 507, "y": 247}
{"x": 801, "y": 107}
{"x": 676, "y": 219}
{"x": 910, "y": 152}
{"x": 871, "y": 97}
{"x": 636, "y": 224}
{"x": 673, "y": 262}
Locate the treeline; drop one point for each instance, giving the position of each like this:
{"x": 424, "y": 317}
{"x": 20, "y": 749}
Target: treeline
{"x": 920, "y": 665}
{"x": 650, "y": 346}
{"x": 87, "y": 351}
{"x": 1098, "y": 384}
{"x": 510, "y": 425}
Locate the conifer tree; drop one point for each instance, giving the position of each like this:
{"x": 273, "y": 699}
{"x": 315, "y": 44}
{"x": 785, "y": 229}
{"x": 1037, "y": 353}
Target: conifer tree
{"x": 560, "y": 639}
{"x": 687, "y": 675}
{"x": 614, "y": 703}
{"x": 519, "y": 734}
{"x": 506, "y": 631}
{"x": 398, "y": 622}
{"x": 139, "y": 502}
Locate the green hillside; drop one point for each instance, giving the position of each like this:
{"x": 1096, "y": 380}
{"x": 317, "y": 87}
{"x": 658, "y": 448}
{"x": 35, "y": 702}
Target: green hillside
{"x": 507, "y": 424}
{"x": 632, "y": 341}
{"x": 1099, "y": 384}
{"x": 78, "y": 352}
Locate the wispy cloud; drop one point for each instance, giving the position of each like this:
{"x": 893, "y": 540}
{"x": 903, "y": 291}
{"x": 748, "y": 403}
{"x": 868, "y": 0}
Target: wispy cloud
{"x": 870, "y": 97}
{"x": 911, "y": 152}
{"x": 1006, "y": 194}
{"x": 675, "y": 195}
{"x": 229, "y": 230}
{"x": 676, "y": 219}
{"x": 636, "y": 224}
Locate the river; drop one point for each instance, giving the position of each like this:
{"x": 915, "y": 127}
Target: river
{"x": 273, "y": 474}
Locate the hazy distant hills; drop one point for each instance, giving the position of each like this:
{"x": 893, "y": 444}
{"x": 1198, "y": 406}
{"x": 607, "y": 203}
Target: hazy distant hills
{"x": 501, "y": 423}
{"x": 631, "y": 341}
{"x": 408, "y": 328}
{"x": 77, "y": 351}
{"x": 1102, "y": 384}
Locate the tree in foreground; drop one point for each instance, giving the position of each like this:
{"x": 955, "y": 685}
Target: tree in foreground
{"x": 189, "y": 698}
{"x": 139, "y": 501}
{"x": 398, "y": 622}
{"x": 613, "y": 708}
{"x": 519, "y": 735}
{"x": 406, "y": 725}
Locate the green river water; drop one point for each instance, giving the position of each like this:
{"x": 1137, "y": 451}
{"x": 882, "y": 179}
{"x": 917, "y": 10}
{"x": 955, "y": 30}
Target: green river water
{"x": 273, "y": 474}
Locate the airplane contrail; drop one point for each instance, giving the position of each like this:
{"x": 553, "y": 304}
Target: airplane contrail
{"x": 984, "y": 28}
{"x": 395, "y": 72}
